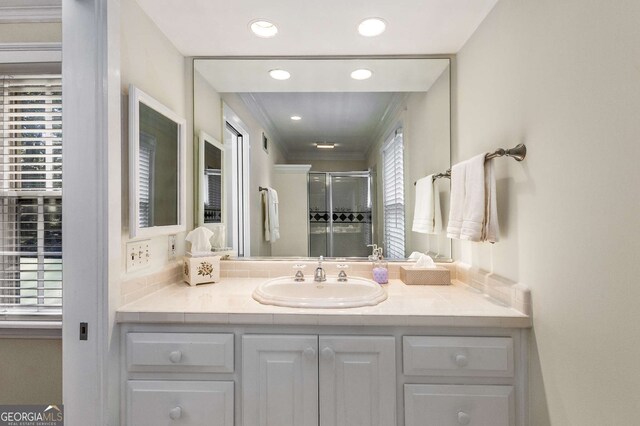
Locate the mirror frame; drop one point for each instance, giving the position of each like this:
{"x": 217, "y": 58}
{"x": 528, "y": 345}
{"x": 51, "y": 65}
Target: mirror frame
{"x": 136, "y": 97}
{"x": 204, "y": 138}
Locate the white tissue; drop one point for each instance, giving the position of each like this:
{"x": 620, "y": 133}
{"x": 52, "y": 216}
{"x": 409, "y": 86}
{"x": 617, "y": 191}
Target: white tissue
{"x": 415, "y": 255}
{"x": 199, "y": 239}
{"x": 424, "y": 262}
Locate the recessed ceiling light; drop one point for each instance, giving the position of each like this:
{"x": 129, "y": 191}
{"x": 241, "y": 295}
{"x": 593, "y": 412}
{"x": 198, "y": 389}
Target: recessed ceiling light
{"x": 361, "y": 74}
{"x": 279, "y": 74}
{"x": 262, "y": 28}
{"x": 296, "y": 118}
{"x": 372, "y": 27}
{"x": 325, "y": 145}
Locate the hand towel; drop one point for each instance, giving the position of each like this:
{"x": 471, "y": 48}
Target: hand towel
{"x": 427, "y": 217}
{"x": 271, "y": 221}
{"x": 491, "y": 229}
{"x": 458, "y": 172}
{"x": 473, "y": 213}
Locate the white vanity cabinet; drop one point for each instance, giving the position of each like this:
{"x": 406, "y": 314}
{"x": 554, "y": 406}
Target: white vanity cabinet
{"x": 441, "y": 359}
{"x": 311, "y": 380}
{"x": 162, "y": 379}
{"x": 309, "y": 375}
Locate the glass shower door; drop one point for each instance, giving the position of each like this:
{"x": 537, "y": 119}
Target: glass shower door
{"x": 350, "y": 228}
{"x": 340, "y": 206}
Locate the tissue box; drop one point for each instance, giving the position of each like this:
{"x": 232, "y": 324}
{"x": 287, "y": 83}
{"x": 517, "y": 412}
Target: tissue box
{"x": 424, "y": 276}
{"x": 200, "y": 270}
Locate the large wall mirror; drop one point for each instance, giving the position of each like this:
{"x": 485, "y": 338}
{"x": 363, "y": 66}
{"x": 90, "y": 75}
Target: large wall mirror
{"x": 368, "y": 137}
{"x": 156, "y": 167}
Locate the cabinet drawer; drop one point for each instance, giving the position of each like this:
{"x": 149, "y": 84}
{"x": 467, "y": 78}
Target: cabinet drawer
{"x": 454, "y": 405}
{"x": 458, "y": 356}
{"x": 180, "y": 352}
{"x": 185, "y": 403}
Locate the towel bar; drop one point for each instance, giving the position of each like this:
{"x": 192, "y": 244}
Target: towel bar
{"x": 518, "y": 153}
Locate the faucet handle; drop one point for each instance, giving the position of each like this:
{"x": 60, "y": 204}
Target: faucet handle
{"x": 299, "y": 275}
{"x": 342, "y": 276}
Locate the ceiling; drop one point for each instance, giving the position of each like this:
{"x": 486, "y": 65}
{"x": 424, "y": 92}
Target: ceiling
{"x": 321, "y": 75}
{"x": 328, "y": 27}
{"x": 334, "y": 107}
{"x": 349, "y": 119}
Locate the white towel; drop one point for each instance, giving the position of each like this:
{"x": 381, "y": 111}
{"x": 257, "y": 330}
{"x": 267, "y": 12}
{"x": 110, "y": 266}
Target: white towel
{"x": 427, "y": 217}
{"x": 474, "y": 210}
{"x": 491, "y": 229}
{"x": 456, "y": 205}
{"x": 271, "y": 221}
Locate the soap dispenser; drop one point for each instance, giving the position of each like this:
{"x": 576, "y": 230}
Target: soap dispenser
{"x": 380, "y": 270}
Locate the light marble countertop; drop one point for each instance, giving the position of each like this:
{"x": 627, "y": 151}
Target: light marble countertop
{"x": 230, "y": 302}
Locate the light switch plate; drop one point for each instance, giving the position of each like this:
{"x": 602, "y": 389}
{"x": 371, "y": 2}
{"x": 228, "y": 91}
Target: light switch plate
{"x": 172, "y": 247}
{"x": 138, "y": 255}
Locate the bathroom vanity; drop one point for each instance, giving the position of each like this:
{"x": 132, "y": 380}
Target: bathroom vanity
{"x": 211, "y": 355}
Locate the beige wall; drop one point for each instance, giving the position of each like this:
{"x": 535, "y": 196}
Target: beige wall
{"x": 31, "y": 33}
{"x": 151, "y": 62}
{"x": 564, "y": 77}
{"x": 31, "y": 369}
{"x": 293, "y": 189}
{"x": 207, "y": 108}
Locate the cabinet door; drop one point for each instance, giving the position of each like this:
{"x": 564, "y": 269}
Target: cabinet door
{"x": 280, "y": 380}
{"x": 184, "y": 403}
{"x": 357, "y": 381}
{"x": 454, "y": 405}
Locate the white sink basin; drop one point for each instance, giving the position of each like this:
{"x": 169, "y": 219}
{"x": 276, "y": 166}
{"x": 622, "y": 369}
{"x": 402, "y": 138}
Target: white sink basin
{"x": 354, "y": 292}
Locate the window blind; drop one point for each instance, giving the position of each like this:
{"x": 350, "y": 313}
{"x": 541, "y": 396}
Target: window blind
{"x": 393, "y": 197}
{"x": 31, "y": 196}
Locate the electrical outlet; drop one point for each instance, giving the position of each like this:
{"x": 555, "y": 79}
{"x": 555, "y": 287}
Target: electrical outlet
{"x": 172, "y": 247}
{"x": 138, "y": 255}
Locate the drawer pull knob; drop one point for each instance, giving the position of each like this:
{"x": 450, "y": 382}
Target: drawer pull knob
{"x": 461, "y": 360}
{"x": 309, "y": 353}
{"x": 328, "y": 354}
{"x": 463, "y": 418}
{"x": 175, "y": 356}
{"x": 175, "y": 413}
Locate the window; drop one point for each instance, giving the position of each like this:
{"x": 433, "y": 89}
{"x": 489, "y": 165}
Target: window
{"x": 393, "y": 196}
{"x": 30, "y": 196}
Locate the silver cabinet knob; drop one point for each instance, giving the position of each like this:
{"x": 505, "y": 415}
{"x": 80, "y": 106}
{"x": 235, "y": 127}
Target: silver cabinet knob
{"x": 328, "y": 354}
{"x": 461, "y": 360}
{"x": 463, "y": 418}
{"x": 175, "y": 356}
{"x": 309, "y": 353}
{"x": 175, "y": 413}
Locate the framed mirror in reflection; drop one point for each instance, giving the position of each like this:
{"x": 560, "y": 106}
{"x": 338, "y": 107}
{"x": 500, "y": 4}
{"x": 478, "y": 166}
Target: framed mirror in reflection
{"x": 156, "y": 167}
{"x": 367, "y": 142}
{"x": 211, "y": 180}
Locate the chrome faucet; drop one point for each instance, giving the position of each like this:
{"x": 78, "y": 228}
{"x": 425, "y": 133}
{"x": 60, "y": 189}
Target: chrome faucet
{"x": 320, "y": 275}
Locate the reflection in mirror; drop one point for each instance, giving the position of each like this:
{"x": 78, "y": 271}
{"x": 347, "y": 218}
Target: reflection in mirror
{"x": 366, "y": 143}
{"x": 156, "y": 167}
{"x": 211, "y": 180}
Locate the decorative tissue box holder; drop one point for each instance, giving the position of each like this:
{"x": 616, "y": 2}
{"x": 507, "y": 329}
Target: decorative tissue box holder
{"x": 425, "y": 276}
{"x": 201, "y": 270}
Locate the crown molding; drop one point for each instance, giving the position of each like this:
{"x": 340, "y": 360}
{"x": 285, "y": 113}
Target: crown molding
{"x": 31, "y": 11}
{"x": 263, "y": 118}
{"x": 291, "y": 168}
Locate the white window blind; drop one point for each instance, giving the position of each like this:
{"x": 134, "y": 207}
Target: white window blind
{"x": 146, "y": 189}
{"x": 31, "y": 196}
{"x": 393, "y": 196}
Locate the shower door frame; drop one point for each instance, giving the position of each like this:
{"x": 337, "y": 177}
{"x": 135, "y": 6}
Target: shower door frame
{"x": 329, "y": 202}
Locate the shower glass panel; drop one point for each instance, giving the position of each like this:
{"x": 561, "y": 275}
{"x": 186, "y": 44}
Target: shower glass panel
{"x": 340, "y": 216}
